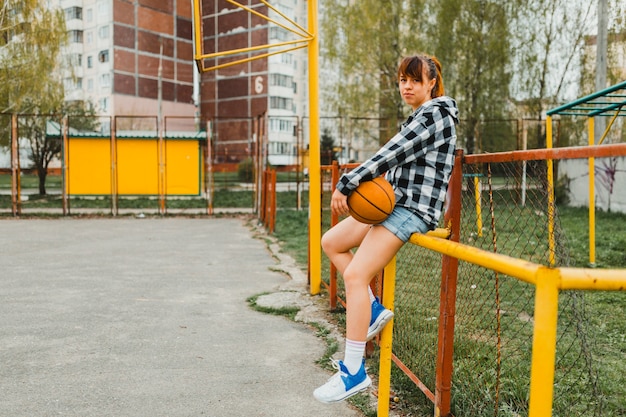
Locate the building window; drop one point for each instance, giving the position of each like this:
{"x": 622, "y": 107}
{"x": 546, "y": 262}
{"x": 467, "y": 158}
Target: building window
{"x": 89, "y": 15}
{"x": 90, "y": 84}
{"x": 280, "y": 148}
{"x": 76, "y": 60}
{"x": 104, "y": 104}
{"x": 76, "y": 36}
{"x": 71, "y": 84}
{"x": 281, "y": 103}
{"x": 281, "y": 80}
{"x": 103, "y": 32}
{"x": 277, "y": 33}
{"x": 103, "y": 56}
{"x": 286, "y": 58}
{"x": 89, "y": 61}
{"x": 104, "y": 9}
{"x": 282, "y": 126}
{"x": 74, "y": 13}
{"x": 105, "y": 80}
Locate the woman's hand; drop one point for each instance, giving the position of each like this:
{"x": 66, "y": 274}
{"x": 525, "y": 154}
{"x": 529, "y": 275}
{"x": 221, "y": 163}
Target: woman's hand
{"x": 339, "y": 203}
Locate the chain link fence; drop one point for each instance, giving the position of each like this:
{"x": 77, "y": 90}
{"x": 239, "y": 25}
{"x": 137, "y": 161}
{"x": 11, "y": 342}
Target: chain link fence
{"x": 505, "y": 211}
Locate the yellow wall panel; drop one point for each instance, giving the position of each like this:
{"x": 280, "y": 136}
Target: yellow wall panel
{"x": 89, "y": 166}
{"x": 183, "y": 167}
{"x": 137, "y": 166}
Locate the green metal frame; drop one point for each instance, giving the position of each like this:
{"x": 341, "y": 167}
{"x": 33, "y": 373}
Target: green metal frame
{"x": 608, "y": 102}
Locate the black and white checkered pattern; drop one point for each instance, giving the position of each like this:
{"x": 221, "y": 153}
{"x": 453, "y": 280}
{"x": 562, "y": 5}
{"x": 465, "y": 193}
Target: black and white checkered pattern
{"x": 417, "y": 161}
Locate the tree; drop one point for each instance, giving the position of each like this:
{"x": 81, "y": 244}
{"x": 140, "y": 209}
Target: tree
{"x": 31, "y": 66}
{"x": 365, "y": 40}
{"x": 547, "y": 54}
{"x": 31, "y": 37}
{"x": 44, "y": 136}
{"x": 327, "y": 145}
{"x": 471, "y": 39}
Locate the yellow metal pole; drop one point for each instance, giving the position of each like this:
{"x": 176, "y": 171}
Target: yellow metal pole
{"x": 479, "y": 218}
{"x": 544, "y": 343}
{"x": 550, "y": 173}
{"x": 592, "y": 198}
{"x": 315, "y": 215}
{"x": 386, "y": 336}
{"x": 608, "y": 128}
{"x": 521, "y": 269}
{"x": 593, "y": 279}
{"x": 197, "y": 38}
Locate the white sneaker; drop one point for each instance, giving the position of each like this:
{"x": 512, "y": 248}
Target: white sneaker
{"x": 342, "y": 385}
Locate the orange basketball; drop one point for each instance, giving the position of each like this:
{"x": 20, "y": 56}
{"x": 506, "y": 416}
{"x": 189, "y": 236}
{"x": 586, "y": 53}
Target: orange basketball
{"x": 372, "y": 201}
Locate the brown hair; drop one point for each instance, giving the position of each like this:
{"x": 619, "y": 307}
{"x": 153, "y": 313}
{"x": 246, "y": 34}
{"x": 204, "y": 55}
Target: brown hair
{"x": 413, "y": 66}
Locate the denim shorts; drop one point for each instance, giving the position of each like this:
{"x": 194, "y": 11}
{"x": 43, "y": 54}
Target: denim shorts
{"x": 403, "y": 223}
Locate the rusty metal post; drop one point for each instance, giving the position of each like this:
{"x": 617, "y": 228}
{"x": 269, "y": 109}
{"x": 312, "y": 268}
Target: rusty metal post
{"x": 16, "y": 192}
{"x": 64, "y": 166}
{"x": 447, "y": 309}
{"x": 334, "y": 219}
{"x": 113, "y": 143}
{"x": 208, "y": 164}
{"x": 263, "y": 198}
{"x": 273, "y": 201}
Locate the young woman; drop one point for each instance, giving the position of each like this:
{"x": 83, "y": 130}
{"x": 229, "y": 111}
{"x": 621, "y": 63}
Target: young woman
{"x": 417, "y": 162}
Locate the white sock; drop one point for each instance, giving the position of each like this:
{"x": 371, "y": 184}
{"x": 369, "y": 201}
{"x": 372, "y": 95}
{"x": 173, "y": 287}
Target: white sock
{"x": 354, "y": 355}
{"x": 371, "y": 293}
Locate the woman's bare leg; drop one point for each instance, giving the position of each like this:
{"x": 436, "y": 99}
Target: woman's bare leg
{"x": 339, "y": 241}
{"x": 377, "y": 248}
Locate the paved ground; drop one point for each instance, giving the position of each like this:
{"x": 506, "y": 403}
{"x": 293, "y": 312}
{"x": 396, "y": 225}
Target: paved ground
{"x": 148, "y": 317}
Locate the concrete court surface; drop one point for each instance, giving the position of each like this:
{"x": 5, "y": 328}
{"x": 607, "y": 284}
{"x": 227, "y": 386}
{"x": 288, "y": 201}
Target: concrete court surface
{"x": 148, "y": 317}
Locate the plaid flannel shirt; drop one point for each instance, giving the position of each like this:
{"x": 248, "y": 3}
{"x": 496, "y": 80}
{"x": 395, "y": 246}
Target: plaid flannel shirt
{"x": 417, "y": 161}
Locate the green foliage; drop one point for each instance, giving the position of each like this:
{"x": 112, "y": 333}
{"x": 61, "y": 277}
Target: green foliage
{"x": 32, "y": 36}
{"x": 495, "y": 64}
{"x": 245, "y": 170}
{"x": 472, "y": 41}
{"x": 365, "y": 40}
{"x": 327, "y": 145}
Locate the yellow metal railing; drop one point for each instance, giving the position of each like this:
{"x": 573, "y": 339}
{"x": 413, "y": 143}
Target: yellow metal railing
{"x": 548, "y": 282}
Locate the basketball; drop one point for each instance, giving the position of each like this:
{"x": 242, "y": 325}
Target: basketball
{"x": 372, "y": 201}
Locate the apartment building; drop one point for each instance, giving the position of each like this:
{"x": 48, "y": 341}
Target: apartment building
{"x": 116, "y": 49}
{"x": 236, "y": 97}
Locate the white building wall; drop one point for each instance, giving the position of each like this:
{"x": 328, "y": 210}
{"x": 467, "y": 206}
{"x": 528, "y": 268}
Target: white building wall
{"x": 610, "y": 182}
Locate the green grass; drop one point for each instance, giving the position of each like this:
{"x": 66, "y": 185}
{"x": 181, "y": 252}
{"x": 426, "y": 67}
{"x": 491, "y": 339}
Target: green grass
{"x": 30, "y": 181}
{"x": 610, "y": 237}
{"x": 220, "y": 180}
{"x": 601, "y": 340}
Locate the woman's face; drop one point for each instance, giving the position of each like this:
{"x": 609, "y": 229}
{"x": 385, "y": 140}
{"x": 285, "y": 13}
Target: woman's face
{"x": 414, "y": 92}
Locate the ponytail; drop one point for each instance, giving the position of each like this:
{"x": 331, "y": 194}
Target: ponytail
{"x": 436, "y": 74}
